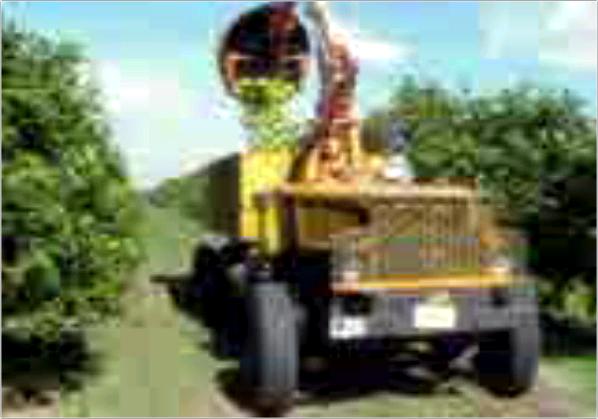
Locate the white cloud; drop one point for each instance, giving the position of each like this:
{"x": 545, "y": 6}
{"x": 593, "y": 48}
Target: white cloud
{"x": 509, "y": 29}
{"x": 561, "y": 33}
{"x": 569, "y": 34}
{"x": 134, "y": 90}
{"x": 376, "y": 50}
{"x": 163, "y": 127}
{"x": 368, "y": 48}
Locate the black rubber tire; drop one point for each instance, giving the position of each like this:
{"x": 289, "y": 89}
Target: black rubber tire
{"x": 507, "y": 362}
{"x": 271, "y": 359}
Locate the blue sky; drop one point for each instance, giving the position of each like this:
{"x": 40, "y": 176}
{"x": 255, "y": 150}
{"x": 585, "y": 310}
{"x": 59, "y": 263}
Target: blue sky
{"x": 155, "y": 61}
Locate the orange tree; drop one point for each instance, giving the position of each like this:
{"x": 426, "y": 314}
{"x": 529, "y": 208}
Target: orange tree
{"x": 68, "y": 211}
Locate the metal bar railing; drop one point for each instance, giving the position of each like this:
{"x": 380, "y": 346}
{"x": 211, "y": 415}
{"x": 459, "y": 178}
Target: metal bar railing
{"x": 411, "y": 238}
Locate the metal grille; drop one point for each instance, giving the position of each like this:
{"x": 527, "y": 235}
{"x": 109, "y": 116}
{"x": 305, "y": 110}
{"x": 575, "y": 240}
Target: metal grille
{"x": 417, "y": 237}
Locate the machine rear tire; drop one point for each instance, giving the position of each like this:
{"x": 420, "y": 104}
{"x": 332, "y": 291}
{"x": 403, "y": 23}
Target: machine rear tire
{"x": 271, "y": 359}
{"x": 507, "y": 361}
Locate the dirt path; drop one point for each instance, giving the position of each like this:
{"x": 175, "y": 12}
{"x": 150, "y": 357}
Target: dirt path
{"x": 551, "y": 402}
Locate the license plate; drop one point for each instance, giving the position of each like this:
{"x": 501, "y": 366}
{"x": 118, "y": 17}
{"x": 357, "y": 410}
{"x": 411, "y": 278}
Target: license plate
{"x": 347, "y": 327}
{"x": 435, "y": 316}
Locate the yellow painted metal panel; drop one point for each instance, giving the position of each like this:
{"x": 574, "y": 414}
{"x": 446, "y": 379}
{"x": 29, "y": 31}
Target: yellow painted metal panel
{"x": 316, "y": 223}
{"x": 221, "y": 179}
{"x": 262, "y": 171}
{"x": 437, "y": 282}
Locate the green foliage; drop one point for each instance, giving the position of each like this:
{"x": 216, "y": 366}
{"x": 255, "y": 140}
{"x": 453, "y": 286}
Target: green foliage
{"x": 186, "y": 194}
{"x": 69, "y": 215}
{"x": 266, "y": 112}
{"x": 532, "y": 149}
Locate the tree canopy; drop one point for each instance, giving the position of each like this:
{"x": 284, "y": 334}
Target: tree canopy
{"x": 68, "y": 210}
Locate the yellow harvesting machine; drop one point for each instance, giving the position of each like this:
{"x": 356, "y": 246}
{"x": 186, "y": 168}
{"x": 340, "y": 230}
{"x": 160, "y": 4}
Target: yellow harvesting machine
{"x": 323, "y": 253}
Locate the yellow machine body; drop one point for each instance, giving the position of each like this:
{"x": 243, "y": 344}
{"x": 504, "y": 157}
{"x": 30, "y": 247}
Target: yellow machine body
{"x": 253, "y": 200}
{"x": 334, "y": 247}
{"x": 262, "y": 171}
{"x": 235, "y": 184}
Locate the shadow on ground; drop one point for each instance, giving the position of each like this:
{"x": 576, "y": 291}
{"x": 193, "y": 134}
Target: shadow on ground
{"x": 34, "y": 372}
{"x": 351, "y": 378}
{"x": 566, "y": 337}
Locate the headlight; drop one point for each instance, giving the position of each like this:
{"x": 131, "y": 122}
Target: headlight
{"x": 346, "y": 264}
{"x": 500, "y": 265}
{"x": 348, "y": 275}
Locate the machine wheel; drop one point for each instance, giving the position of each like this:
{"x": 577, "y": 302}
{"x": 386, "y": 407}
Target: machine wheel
{"x": 271, "y": 361}
{"x": 507, "y": 361}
